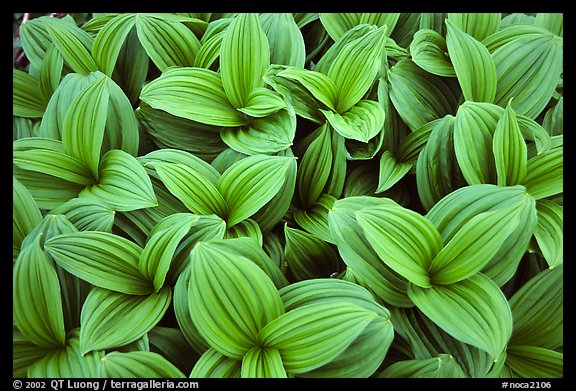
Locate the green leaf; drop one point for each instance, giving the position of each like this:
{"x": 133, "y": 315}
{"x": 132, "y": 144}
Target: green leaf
{"x": 37, "y": 299}
{"x": 244, "y": 58}
{"x": 230, "y": 300}
{"x": 315, "y": 219}
{"x": 137, "y": 365}
{"x": 88, "y": 111}
{"x": 48, "y": 157}
{"x": 188, "y": 184}
{"x": 307, "y": 256}
{"x": 132, "y": 67}
{"x": 391, "y": 171}
{"x": 262, "y": 363}
{"x": 285, "y": 39}
{"x": 101, "y": 258}
{"x": 318, "y": 84}
{"x": 528, "y": 70}
{"x": 472, "y": 64}
{"x": 25, "y": 214}
{"x": 337, "y": 24}
{"x": 196, "y": 94}
{"x": 262, "y": 102}
{"x": 110, "y": 319}
{"x": 477, "y": 25}
{"x": 361, "y": 122}
{"x": 403, "y": 239}
{"x": 549, "y": 233}
{"x": 26, "y": 98}
{"x": 443, "y": 366}
{"x": 510, "y": 152}
{"x": 109, "y": 40}
{"x": 213, "y": 364}
{"x": 429, "y": 52}
{"x": 553, "y": 22}
{"x": 250, "y": 183}
{"x": 544, "y": 174}
{"x": 355, "y": 68}
{"x": 539, "y": 299}
{"x": 168, "y": 43}
{"x": 25, "y": 353}
{"x": 535, "y": 362}
{"x": 474, "y": 245}
{"x": 122, "y": 183}
{"x": 121, "y": 124}
{"x": 50, "y": 72}
{"x": 68, "y": 361}
{"x": 74, "y": 45}
{"x": 87, "y": 215}
{"x": 313, "y": 335}
{"x": 473, "y": 311}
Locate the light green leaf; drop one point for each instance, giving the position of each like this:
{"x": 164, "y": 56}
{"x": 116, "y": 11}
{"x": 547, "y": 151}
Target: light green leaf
{"x": 101, "y": 258}
{"x": 443, "y": 366}
{"x": 285, "y": 39}
{"x": 474, "y": 311}
{"x": 27, "y": 100}
{"x": 262, "y": 102}
{"x": 553, "y": 22}
{"x": 337, "y": 24}
{"x": 361, "y": 122}
{"x": 122, "y": 183}
{"x": 25, "y": 214}
{"x": 391, "y": 171}
{"x": 25, "y": 353}
{"x": 213, "y": 364}
{"x": 535, "y": 362}
{"x": 510, "y": 152}
{"x": 477, "y": 25}
{"x": 109, "y": 40}
{"x": 74, "y": 45}
{"x": 318, "y": 84}
{"x": 87, "y": 214}
{"x": 244, "y": 58}
{"x": 230, "y": 300}
{"x": 68, "y": 361}
{"x": 196, "y": 94}
{"x": 429, "y": 52}
{"x": 315, "y": 219}
{"x": 137, "y": 365}
{"x": 403, "y": 239}
{"x": 549, "y": 233}
{"x": 110, "y": 319}
{"x": 544, "y": 174}
{"x": 245, "y": 229}
{"x": 252, "y": 182}
{"x": 50, "y": 72}
{"x": 37, "y": 300}
{"x": 315, "y": 334}
{"x": 472, "y": 64}
{"x": 262, "y": 363}
{"x": 539, "y": 299}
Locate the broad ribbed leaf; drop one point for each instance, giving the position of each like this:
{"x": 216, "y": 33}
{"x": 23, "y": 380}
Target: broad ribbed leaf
{"x": 196, "y": 94}
{"x": 27, "y": 100}
{"x": 87, "y": 215}
{"x": 230, "y": 300}
{"x": 472, "y": 64}
{"x": 528, "y": 70}
{"x": 313, "y": 335}
{"x": 318, "y": 84}
{"x": 48, "y": 157}
{"x": 354, "y": 69}
{"x": 361, "y": 122}
{"x": 36, "y": 39}
{"x": 50, "y": 72}
{"x": 131, "y": 70}
{"x": 315, "y": 219}
{"x": 25, "y": 353}
{"x": 403, "y": 239}
{"x": 474, "y": 310}
{"x": 429, "y": 52}
{"x": 553, "y": 22}
{"x": 109, "y": 40}
{"x": 74, "y": 45}
{"x": 252, "y": 182}
{"x": 121, "y": 124}
{"x": 137, "y": 365}
{"x": 308, "y": 256}
{"x": 262, "y": 102}
{"x": 535, "y": 362}
{"x": 37, "y": 298}
{"x": 244, "y": 58}
{"x": 474, "y": 245}
{"x": 213, "y": 364}
{"x": 418, "y": 96}
{"x": 549, "y": 232}
{"x": 474, "y": 129}
{"x": 443, "y": 366}
{"x": 110, "y": 319}
{"x": 156, "y": 257}
{"x": 122, "y": 183}
{"x": 285, "y": 39}
{"x": 88, "y": 111}
{"x": 359, "y": 255}
{"x": 262, "y": 363}
{"x": 25, "y": 214}
{"x": 544, "y": 174}
{"x": 101, "y": 258}
{"x": 477, "y": 25}
{"x": 541, "y": 298}
{"x": 68, "y": 361}
{"x": 510, "y": 152}
{"x": 191, "y": 187}
{"x": 337, "y": 24}
{"x": 391, "y": 171}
